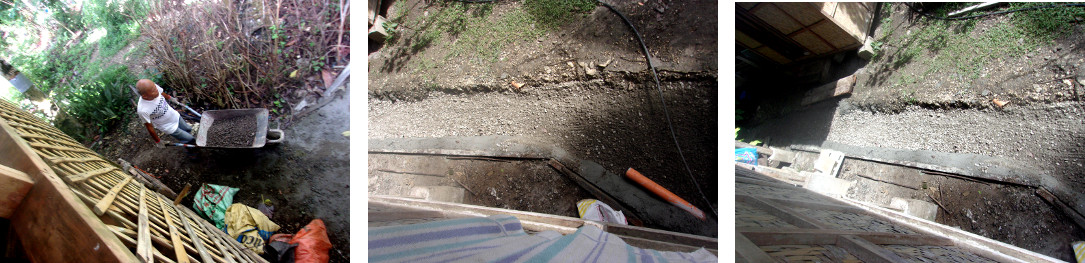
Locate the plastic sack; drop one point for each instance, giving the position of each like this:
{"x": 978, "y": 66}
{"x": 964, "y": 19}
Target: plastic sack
{"x": 249, "y": 226}
{"x": 313, "y": 243}
{"x": 592, "y": 209}
{"x": 280, "y": 249}
{"x": 212, "y": 201}
{"x": 746, "y": 155}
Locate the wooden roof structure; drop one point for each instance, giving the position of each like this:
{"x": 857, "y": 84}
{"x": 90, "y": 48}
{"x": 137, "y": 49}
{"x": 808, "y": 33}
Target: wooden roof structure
{"x": 84, "y": 208}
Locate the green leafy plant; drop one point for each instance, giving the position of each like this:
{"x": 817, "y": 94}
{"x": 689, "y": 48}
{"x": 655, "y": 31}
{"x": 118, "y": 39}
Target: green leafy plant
{"x": 102, "y": 100}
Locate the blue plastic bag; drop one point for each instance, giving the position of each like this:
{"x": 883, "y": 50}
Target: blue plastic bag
{"x": 746, "y": 155}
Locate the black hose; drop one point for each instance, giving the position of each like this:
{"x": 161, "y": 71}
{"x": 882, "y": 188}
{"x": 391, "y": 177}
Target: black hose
{"x": 991, "y": 14}
{"x": 655, "y": 76}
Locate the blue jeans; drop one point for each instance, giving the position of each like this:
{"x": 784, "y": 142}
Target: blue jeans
{"x": 183, "y": 132}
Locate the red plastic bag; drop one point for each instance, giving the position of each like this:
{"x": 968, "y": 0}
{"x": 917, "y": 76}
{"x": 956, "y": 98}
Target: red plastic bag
{"x": 313, "y": 243}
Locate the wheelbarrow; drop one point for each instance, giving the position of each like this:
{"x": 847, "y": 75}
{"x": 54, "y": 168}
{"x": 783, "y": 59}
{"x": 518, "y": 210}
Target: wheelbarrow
{"x": 261, "y": 136}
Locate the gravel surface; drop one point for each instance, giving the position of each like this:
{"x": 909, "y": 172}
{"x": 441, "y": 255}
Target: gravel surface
{"x": 237, "y": 131}
{"x": 1046, "y": 135}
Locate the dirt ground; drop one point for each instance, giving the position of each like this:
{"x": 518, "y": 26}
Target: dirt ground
{"x": 608, "y": 114}
{"x": 306, "y": 177}
{"x": 950, "y": 113}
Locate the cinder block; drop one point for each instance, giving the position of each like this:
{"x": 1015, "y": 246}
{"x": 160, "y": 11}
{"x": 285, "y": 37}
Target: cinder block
{"x": 781, "y": 155}
{"x": 827, "y": 185}
{"x": 829, "y": 162}
{"x": 867, "y": 51}
{"x": 917, "y": 208}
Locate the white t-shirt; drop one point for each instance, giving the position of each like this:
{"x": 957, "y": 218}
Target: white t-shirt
{"x": 158, "y": 113}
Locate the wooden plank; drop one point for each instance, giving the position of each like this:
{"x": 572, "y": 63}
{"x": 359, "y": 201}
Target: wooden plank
{"x": 813, "y": 43}
{"x": 178, "y": 247}
{"x": 834, "y": 35}
{"x": 776, "y": 18}
{"x": 799, "y": 236}
{"x": 749, "y": 251}
{"x": 143, "y": 240}
{"x": 184, "y": 192}
{"x": 204, "y": 256}
{"x": 595, "y": 191}
{"x": 107, "y": 201}
{"x": 746, "y": 40}
{"x": 663, "y": 246}
{"x": 50, "y": 212}
{"x": 747, "y": 5}
{"x": 780, "y": 212}
{"x": 866, "y": 251}
{"x": 806, "y": 13}
{"x": 14, "y": 185}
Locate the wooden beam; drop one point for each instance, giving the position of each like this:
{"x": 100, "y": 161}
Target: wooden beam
{"x": 107, "y": 201}
{"x": 780, "y": 212}
{"x": 749, "y": 251}
{"x": 50, "y": 202}
{"x": 866, "y": 251}
{"x": 14, "y": 185}
{"x": 799, "y": 236}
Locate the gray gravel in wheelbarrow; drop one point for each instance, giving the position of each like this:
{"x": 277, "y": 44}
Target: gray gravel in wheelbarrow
{"x": 236, "y": 131}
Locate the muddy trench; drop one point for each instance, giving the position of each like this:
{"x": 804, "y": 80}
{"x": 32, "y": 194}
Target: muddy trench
{"x": 616, "y": 121}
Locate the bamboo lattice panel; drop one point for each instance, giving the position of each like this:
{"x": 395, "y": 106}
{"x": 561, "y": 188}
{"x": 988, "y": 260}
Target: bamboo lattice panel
{"x": 805, "y": 253}
{"x": 784, "y": 223}
{"x": 147, "y": 222}
{"x": 751, "y": 217}
{"x": 851, "y": 221}
{"x": 936, "y": 254}
{"x": 778, "y": 193}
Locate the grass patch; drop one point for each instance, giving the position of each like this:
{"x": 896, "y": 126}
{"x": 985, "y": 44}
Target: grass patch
{"x": 953, "y": 47}
{"x": 473, "y": 32}
{"x": 551, "y": 14}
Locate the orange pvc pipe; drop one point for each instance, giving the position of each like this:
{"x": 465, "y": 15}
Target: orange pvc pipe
{"x": 664, "y": 193}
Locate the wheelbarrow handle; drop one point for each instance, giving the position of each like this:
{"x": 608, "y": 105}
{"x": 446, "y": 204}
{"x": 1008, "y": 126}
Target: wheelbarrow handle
{"x": 276, "y": 131}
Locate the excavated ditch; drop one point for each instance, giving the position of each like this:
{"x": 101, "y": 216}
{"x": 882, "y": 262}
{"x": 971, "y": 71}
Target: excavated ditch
{"x": 618, "y": 122}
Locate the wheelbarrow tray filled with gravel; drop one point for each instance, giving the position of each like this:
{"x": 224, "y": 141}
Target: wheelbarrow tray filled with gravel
{"x": 241, "y": 128}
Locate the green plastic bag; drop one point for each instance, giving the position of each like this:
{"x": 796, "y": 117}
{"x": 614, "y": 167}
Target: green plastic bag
{"x": 212, "y": 201}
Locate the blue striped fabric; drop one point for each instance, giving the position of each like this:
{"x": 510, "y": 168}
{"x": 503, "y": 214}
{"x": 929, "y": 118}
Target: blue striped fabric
{"x": 501, "y": 238}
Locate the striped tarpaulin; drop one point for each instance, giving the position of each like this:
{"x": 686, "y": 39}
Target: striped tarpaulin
{"x": 500, "y": 238}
